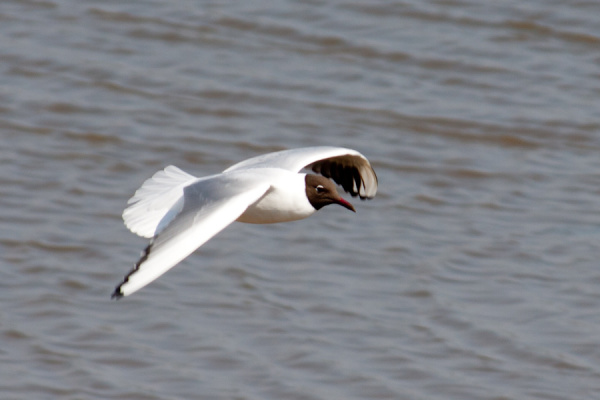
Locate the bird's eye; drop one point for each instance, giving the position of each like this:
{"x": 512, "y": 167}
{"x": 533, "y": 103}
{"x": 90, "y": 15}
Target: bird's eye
{"x": 320, "y": 189}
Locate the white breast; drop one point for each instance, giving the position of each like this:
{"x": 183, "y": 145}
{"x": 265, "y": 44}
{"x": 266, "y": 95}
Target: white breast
{"x": 285, "y": 201}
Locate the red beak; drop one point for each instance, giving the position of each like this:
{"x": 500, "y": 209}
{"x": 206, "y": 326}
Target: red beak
{"x": 344, "y": 203}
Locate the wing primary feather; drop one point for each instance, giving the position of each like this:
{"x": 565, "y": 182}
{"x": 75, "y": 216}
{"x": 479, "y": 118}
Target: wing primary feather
{"x": 117, "y": 294}
{"x": 353, "y": 173}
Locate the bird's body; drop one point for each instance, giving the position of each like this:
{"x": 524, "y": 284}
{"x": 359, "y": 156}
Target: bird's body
{"x": 284, "y": 201}
{"x": 180, "y": 212}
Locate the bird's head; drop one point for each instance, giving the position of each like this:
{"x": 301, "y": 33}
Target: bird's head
{"x": 321, "y": 191}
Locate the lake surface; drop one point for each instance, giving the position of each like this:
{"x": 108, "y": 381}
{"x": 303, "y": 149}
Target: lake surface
{"x": 474, "y": 273}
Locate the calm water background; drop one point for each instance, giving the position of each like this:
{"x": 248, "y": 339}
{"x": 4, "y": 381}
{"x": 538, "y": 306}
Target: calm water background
{"x": 473, "y": 275}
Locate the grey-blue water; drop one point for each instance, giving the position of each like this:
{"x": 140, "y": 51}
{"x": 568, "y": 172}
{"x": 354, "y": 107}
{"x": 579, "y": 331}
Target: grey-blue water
{"x": 473, "y": 274}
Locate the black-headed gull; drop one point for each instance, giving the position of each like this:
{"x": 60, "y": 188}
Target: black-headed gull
{"x": 180, "y": 212}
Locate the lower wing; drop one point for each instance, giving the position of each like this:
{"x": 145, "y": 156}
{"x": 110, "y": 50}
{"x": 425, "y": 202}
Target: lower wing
{"x": 206, "y": 211}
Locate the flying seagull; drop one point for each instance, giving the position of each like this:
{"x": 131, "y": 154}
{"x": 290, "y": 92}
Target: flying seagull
{"x": 180, "y": 212}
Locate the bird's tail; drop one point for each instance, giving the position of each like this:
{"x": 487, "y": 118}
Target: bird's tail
{"x": 154, "y": 199}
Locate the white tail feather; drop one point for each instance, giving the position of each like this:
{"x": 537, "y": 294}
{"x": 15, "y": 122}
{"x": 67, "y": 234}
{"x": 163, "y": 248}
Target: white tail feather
{"x": 153, "y": 200}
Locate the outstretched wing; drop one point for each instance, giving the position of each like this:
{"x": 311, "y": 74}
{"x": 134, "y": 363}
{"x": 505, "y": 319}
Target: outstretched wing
{"x": 207, "y": 207}
{"x": 346, "y": 167}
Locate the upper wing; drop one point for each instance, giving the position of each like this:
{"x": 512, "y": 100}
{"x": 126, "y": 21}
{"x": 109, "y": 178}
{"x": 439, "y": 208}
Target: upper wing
{"x": 208, "y": 207}
{"x": 154, "y": 199}
{"x": 346, "y": 167}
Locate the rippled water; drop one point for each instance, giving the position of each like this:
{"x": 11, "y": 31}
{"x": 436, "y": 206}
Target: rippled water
{"x": 472, "y": 275}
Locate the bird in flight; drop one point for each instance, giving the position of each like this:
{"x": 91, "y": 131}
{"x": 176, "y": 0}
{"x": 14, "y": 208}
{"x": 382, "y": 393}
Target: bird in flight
{"x": 179, "y": 212}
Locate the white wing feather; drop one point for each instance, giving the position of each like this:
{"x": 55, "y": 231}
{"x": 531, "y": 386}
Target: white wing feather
{"x": 209, "y": 206}
{"x": 154, "y": 199}
{"x": 294, "y": 159}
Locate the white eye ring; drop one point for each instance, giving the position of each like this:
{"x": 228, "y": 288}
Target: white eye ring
{"x": 320, "y": 189}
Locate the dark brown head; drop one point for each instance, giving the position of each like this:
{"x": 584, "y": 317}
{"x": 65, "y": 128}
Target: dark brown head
{"x": 321, "y": 192}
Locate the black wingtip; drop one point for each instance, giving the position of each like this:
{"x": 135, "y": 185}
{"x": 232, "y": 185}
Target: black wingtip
{"x": 117, "y": 294}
